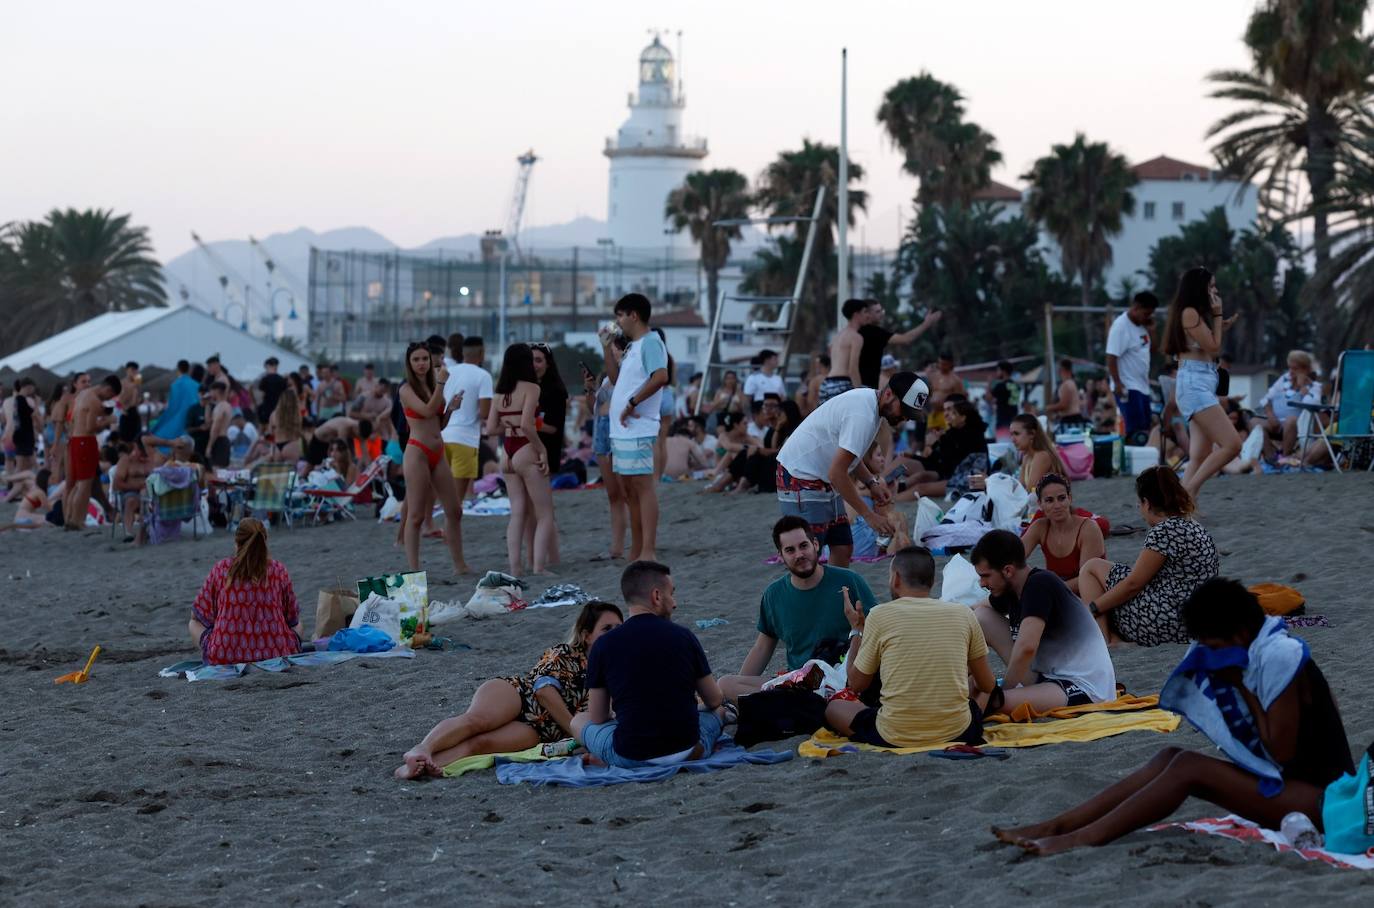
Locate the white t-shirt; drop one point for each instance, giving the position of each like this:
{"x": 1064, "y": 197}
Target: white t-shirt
{"x": 1130, "y": 344}
{"x": 758, "y": 384}
{"x": 642, "y": 358}
{"x": 755, "y": 430}
{"x": 848, "y": 421}
{"x": 464, "y": 425}
{"x": 1282, "y": 396}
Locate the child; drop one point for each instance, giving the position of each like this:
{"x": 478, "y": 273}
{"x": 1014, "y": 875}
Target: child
{"x": 866, "y": 544}
{"x": 1285, "y": 740}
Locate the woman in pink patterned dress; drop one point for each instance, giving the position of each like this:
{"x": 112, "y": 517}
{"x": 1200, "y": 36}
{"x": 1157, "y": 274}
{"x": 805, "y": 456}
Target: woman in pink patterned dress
{"x": 246, "y": 611}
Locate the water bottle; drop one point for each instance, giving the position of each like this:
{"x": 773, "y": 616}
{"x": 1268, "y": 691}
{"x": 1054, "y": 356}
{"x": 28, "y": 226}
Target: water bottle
{"x": 1297, "y": 828}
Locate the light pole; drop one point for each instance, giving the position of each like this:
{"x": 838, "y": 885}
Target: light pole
{"x": 243, "y": 312}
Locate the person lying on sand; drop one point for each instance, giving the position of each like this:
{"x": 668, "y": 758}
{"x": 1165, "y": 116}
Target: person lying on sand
{"x": 246, "y": 610}
{"x": 518, "y": 712}
{"x": 1299, "y": 729}
{"x": 31, "y": 488}
{"x": 927, "y": 651}
{"x": 1059, "y": 657}
{"x": 650, "y": 671}
{"x": 803, "y": 608}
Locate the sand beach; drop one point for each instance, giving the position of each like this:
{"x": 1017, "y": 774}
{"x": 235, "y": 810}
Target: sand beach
{"x": 138, "y": 790}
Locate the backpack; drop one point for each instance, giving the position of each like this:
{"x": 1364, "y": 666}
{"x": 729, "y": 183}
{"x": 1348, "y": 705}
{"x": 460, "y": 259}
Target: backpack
{"x": 1348, "y": 811}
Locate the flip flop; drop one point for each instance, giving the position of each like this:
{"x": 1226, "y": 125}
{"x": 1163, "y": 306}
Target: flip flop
{"x": 969, "y": 752}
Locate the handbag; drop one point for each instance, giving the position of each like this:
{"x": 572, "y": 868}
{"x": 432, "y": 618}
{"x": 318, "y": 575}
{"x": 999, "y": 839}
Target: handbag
{"x": 1223, "y": 382}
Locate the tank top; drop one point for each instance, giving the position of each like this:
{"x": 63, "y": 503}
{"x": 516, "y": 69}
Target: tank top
{"x": 1065, "y": 566}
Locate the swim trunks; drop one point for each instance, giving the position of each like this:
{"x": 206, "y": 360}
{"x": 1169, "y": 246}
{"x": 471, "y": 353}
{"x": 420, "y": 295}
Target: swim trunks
{"x": 83, "y": 457}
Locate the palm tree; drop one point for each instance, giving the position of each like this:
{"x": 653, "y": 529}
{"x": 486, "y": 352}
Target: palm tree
{"x": 71, "y": 267}
{"x": 704, "y": 198}
{"x": 953, "y": 159}
{"x": 1346, "y": 279}
{"x": 1080, "y": 193}
{"x": 787, "y": 188}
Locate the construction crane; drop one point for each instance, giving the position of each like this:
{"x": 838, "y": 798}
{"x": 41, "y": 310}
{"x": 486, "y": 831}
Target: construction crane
{"x": 229, "y": 281}
{"x": 291, "y": 284}
{"x": 517, "y": 202}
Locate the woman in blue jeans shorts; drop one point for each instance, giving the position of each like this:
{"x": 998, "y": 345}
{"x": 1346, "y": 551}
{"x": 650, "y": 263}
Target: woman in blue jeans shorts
{"x": 1193, "y": 334}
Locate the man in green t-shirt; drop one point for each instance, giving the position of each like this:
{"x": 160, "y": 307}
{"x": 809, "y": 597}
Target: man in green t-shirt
{"x": 804, "y": 609}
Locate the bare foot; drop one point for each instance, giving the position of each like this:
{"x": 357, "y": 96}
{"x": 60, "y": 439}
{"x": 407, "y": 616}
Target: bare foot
{"x": 1018, "y": 835}
{"x": 647, "y": 556}
{"x": 462, "y": 568}
{"x": 416, "y": 764}
{"x": 1047, "y": 846}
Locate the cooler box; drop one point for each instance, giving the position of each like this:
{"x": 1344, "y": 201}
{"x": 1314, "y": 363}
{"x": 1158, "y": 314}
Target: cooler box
{"x": 1140, "y": 458}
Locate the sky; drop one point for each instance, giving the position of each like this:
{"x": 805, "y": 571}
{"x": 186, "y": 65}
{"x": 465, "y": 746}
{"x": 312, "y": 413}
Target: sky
{"x": 258, "y": 117}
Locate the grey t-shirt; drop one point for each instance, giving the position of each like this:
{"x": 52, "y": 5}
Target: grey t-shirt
{"x": 1072, "y": 647}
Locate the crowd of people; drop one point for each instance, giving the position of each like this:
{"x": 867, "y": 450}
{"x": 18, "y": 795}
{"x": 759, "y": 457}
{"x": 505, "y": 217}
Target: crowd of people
{"x": 633, "y": 688}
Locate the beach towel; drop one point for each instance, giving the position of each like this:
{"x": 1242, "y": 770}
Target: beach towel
{"x": 195, "y": 670}
{"x": 1088, "y": 727}
{"x": 1218, "y": 711}
{"x": 573, "y": 773}
{"x": 1124, "y": 703}
{"x": 466, "y": 765}
{"x": 487, "y": 507}
{"x": 1241, "y": 829}
{"x": 559, "y": 595}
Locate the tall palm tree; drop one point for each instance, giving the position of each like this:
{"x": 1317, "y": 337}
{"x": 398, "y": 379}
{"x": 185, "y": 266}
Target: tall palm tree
{"x": 1079, "y": 193}
{"x": 1346, "y": 279}
{"x": 951, "y": 158}
{"x": 71, "y": 267}
{"x": 787, "y": 188}
{"x": 704, "y": 198}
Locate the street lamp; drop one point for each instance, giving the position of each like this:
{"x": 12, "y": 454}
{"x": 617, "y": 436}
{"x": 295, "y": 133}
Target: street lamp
{"x": 243, "y": 312}
{"x": 292, "y": 297}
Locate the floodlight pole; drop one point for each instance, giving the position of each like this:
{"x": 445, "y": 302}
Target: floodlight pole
{"x": 842, "y": 286}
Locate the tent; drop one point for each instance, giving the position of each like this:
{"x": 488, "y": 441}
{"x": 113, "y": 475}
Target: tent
{"x": 153, "y": 336}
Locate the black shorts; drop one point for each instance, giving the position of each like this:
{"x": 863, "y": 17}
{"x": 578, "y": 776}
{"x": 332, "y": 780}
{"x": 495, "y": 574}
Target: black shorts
{"x": 220, "y": 453}
{"x": 864, "y": 728}
{"x": 1077, "y": 695}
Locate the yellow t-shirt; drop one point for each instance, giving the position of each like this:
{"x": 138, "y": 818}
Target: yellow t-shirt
{"x": 923, "y": 647}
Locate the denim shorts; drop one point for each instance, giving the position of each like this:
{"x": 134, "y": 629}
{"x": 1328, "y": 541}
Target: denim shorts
{"x": 600, "y": 741}
{"x": 601, "y": 437}
{"x": 1196, "y": 389}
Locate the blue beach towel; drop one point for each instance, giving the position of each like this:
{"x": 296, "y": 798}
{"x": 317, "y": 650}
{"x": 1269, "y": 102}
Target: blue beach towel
{"x": 573, "y": 773}
{"x": 195, "y": 670}
{"x": 1217, "y": 710}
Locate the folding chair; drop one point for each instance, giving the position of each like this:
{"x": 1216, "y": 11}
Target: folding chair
{"x": 272, "y": 485}
{"x": 337, "y": 500}
{"x": 172, "y": 506}
{"x": 1352, "y": 422}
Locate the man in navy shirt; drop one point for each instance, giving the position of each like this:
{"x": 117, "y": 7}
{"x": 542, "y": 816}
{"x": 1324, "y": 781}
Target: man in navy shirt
{"x": 649, "y": 671}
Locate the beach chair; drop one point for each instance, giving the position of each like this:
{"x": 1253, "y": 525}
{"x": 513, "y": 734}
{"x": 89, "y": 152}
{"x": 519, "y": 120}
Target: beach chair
{"x": 272, "y": 485}
{"x": 330, "y": 502}
{"x": 1349, "y": 421}
{"x": 163, "y": 512}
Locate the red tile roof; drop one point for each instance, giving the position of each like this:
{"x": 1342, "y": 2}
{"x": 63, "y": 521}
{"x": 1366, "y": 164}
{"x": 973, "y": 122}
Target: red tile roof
{"x": 677, "y": 318}
{"x": 1165, "y": 168}
{"x": 997, "y": 192}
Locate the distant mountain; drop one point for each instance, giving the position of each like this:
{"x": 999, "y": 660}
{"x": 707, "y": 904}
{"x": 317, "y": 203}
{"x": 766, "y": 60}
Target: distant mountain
{"x": 583, "y": 231}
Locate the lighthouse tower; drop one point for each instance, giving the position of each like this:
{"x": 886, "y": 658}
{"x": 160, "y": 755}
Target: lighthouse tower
{"x": 650, "y": 157}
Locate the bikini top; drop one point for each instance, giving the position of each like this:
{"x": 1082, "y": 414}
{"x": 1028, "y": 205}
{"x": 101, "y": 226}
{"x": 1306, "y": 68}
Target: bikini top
{"x": 411, "y": 414}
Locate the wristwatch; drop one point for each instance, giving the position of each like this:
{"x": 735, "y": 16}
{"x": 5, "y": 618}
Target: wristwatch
{"x": 856, "y": 632}
{"x": 1092, "y": 607}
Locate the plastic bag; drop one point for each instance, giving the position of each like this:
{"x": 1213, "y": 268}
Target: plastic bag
{"x": 959, "y": 583}
{"x": 1009, "y": 501}
{"x": 1078, "y": 460}
{"x": 488, "y": 601}
{"x": 379, "y": 612}
{"x": 365, "y": 639}
{"x": 928, "y": 514}
{"x": 975, "y": 506}
{"x": 822, "y": 677}
{"x": 390, "y": 509}
{"x": 443, "y": 612}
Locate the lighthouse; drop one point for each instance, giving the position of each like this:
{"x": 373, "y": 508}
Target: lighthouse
{"x": 650, "y": 157}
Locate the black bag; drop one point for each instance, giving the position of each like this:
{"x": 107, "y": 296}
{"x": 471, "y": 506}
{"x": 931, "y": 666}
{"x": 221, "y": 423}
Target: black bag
{"x": 1223, "y": 382}
{"x": 773, "y": 715}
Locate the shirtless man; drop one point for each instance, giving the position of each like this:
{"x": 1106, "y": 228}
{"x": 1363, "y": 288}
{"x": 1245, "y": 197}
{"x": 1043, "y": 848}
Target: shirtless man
{"x": 943, "y": 383}
{"x": 1067, "y": 405}
{"x": 221, "y": 414}
{"x": 329, "y": 393}
{"x": 845, "y": 349}
{"x": 376, "y": 409}
{"x": 363, "y": 387}
{"x": 130, "y": 476}
{"x": 340, "y": 428}
{"x": 130, "y": 421}
{"x": 83, "y": 453}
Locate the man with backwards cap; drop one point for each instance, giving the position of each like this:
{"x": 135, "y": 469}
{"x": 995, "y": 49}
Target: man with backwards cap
{"x": 821, "y": 461}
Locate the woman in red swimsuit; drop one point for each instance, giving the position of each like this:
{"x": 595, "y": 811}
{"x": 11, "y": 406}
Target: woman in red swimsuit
{"x": 1063, "y": 530}
{"x": 426, "y": 472}
{"x": 524, "y": 462}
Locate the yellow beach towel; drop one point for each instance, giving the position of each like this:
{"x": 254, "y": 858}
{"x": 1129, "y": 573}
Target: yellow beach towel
{"x": 1087, "y": 727}
{"x": 487, "y": 761}
{"x": 1124, "y": 703}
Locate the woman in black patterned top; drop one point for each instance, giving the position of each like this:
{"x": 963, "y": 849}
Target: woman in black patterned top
{"x": 516, "y": 713}
{"x": 1141, "y": 603}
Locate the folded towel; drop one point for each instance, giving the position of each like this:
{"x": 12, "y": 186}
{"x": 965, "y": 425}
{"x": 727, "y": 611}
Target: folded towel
{"x": 1014, "y": 734}
{"x": 1217, "y": 709}
{"x": 464, "y": 765}
{"x": 195, "y": 670}
{"x": 1234, "y": 827}
{"x": 1125, "y": 703}
{"x": 573, "y": 773}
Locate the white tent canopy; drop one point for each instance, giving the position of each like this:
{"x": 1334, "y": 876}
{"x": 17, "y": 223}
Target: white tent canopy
{"x": 154, "y": 336}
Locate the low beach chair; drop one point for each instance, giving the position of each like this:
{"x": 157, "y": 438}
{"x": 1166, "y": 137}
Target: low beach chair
{"x": 163, "y": 511}
{"x": 272, "y": 485}
{"x": 328, "y": 502}
{"x": 1350, "y": 420}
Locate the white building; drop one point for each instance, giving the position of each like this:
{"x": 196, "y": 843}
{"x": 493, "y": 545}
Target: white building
{"x": 650, "y": 157}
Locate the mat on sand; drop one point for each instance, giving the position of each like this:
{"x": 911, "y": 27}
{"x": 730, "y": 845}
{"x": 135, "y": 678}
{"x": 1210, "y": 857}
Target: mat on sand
{"x": 573, "y": 773}
{"x": 1234, "y": 827}
{"x": 1089, "y": 726}
{"x": 195, "y": 670}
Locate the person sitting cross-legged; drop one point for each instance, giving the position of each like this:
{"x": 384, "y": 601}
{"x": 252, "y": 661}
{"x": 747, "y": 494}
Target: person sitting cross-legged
{"x": 803, "y": 609}
{"x": 927, "y": 651}
{"x": 1054, "y": 653}
{"x": 643, "y": 679}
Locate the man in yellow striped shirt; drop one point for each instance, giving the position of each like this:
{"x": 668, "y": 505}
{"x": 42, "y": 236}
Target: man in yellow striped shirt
{"x": 927, "y": 651}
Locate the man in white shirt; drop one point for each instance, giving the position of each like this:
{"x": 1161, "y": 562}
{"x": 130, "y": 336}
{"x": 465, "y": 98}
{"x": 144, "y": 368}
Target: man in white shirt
{"x": 1296, "y": 386}
{"x": 815, "y": 463}
{"x": 639, "y": 378}
{"x": 468, "y": 392}
{"x": 764, "y": 381}
{"x": 1128, "y": 362}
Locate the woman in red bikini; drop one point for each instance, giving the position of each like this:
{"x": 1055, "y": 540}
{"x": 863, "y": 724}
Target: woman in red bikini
{"x": 1063, "y": 530}
{"x": 426, "y": 472}
{"x": 524, "y": 462}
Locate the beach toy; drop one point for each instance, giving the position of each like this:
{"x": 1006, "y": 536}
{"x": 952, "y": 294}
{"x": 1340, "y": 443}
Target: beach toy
{"x": 81, "y": 676}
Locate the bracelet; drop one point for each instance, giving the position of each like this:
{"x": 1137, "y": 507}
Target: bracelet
{"x": 1096, "y": 612}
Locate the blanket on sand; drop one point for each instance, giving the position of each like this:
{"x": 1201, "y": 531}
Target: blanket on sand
{"x": 1234, "y": 827}
{"x": 573, "y": 773}
{"x": 195, "y": 670}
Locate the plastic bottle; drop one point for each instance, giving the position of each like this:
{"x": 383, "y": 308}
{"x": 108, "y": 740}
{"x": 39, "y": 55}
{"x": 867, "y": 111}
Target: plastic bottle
{"x": 1297, "y": 828}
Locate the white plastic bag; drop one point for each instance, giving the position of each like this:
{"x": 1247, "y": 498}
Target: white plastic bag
{"x": 972, "y": 506}
{"x": 487, "y": 601}
{"x": 928, "y": 514}
{"x": 380, "y": 612}
{"x": 833, "y": 678}
{"x": 959, "y": 583}
{"x": 443, "y": 612}
{"x": 1009, "y": 501}
{"x": 390, "y": 509}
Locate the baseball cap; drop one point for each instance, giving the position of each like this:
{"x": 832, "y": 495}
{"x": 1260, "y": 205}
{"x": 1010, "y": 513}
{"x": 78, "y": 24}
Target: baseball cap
{"x": 889, "y": 362}
{"x": 911, "y": 390}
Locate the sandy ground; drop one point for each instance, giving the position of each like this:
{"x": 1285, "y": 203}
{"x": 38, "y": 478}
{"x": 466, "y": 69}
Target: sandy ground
{"x": 133, "y": 789}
